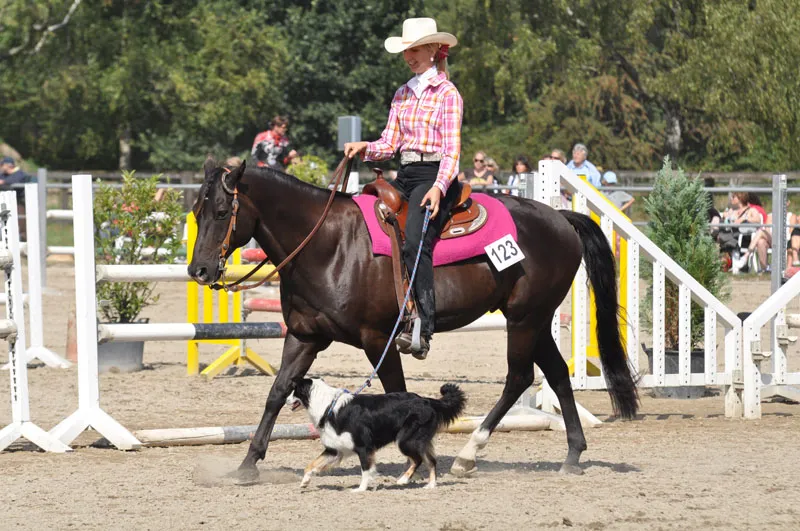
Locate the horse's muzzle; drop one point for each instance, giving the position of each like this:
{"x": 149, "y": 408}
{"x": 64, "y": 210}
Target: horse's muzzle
{"x": 201, "y": 275}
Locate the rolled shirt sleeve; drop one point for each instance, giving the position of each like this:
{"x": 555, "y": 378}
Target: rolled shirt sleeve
{"x": 385, "y": 147}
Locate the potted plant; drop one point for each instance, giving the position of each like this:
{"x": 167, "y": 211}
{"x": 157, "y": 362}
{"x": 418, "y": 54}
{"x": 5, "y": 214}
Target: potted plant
{"x": 135, "y": 223}
{"x": 677, "y": 213}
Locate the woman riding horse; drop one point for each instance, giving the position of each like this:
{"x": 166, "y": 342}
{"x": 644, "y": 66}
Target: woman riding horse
{"x": 425, "y": 126}
{"x": 333, "y": 288}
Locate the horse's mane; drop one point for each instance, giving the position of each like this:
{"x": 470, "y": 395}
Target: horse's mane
{"x": 286, "y": 179}
{"x": 264, "y": 174}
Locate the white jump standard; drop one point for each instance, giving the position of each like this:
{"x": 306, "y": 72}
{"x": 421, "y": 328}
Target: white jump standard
{"x": 89, "y": 414}
{"x": 13, "y": 330}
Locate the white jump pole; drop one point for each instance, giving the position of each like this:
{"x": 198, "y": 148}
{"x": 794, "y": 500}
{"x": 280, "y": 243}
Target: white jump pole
{"x": 36, "y": 283}
{"x": 14, "y": 331}
{"x": 88, "y": 413}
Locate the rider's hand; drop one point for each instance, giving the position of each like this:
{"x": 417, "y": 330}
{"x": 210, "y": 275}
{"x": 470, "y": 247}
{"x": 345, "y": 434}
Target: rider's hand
{"x": 351, "y": 149}
{"x": 434, "y": 195}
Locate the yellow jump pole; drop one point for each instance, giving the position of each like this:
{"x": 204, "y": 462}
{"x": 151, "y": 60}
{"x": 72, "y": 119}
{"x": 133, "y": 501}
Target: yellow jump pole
{"x": 192, "y": 299}
{"x": 229, "y": 310}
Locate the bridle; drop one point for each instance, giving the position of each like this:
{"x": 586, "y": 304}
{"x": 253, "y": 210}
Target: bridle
{"x": 343, "y": 169}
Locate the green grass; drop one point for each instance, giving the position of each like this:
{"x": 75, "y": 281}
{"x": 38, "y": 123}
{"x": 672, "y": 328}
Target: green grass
{"x": 59, "y": 233}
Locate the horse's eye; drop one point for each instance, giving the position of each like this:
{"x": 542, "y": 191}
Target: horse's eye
{"x": 222, "y": 214}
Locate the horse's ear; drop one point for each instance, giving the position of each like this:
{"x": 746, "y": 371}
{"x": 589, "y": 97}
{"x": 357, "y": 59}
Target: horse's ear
{"x": 209, "y": 166}
{"x": 236, "y": 175}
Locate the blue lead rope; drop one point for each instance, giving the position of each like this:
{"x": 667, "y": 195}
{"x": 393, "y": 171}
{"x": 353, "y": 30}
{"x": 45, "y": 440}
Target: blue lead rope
{"x": 368, "y": 381}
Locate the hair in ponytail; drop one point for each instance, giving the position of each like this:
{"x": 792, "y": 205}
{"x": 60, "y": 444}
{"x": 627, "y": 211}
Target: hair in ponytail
{"x": 439, "y": 53}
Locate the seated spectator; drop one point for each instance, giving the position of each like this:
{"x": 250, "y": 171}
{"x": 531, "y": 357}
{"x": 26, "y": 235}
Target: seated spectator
{"x": 557, "y": 154}
{"x": 11, "y": 174}
{"x": 740, "y": 211}
{"x": 761, "y": 242}
{"x": 494, "y": 171}
{"x": 621, "y": 199}
{"x": 580, "y": 166}
{"x": 755, "y": 202}
{"x": 479, "y": 173}
{"x": 521, "y": 169}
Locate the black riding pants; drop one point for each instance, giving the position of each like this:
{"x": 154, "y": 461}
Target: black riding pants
{"x": 414, "y": 181}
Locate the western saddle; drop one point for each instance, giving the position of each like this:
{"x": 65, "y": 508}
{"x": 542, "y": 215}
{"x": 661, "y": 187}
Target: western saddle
{"x": 391, "y": 209}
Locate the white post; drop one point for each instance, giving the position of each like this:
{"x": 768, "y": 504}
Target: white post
{"x": 21, "y": 425}
{"x": 41, "y": 196}
{"x": 36, "y": 283}
{"x": 88, "y": 413}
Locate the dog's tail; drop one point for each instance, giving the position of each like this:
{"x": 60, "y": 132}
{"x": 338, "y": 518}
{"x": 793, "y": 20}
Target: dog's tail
{"x": 451, "y": 405}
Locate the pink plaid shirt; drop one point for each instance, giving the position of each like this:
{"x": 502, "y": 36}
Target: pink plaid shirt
{"x": 431, "y": 124}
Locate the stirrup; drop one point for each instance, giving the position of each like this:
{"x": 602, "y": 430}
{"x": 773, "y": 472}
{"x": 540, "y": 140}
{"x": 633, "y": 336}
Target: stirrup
{"x": 403, "y": 342}
{"x": 421, "y": 352}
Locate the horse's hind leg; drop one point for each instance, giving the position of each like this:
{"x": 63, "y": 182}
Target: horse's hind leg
{"x": 298, "y": 355}
{"x": 555, "y": 369}
{"x": 521, "y": 341}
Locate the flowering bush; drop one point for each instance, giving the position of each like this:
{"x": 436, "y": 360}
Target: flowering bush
{"x": 133, "y": 226}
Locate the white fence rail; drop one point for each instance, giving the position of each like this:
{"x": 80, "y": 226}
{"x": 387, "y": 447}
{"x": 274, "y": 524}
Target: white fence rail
{"x": 553, "y": 175}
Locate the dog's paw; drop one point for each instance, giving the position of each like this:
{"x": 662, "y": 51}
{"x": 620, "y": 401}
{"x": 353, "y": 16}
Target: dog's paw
{"x": 403, "y": 480}
{"x": 431, "y": 485}
{"x": 359, "y": 489}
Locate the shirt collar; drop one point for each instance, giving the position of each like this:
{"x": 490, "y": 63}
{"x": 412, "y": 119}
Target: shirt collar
{"x": 431, "y": 77}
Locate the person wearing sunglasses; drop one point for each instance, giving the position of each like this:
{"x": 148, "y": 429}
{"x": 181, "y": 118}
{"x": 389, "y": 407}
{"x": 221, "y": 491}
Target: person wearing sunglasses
{"x": 480, "y": 174}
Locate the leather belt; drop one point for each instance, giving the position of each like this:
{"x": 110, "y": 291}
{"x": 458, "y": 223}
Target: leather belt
{"x": 410, "y": 157}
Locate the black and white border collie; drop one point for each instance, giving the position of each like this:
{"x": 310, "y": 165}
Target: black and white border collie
{"x": 361, "y": 425}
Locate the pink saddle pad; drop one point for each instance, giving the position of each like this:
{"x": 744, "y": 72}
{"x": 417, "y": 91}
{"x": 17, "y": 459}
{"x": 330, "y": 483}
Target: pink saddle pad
{"x": 498, "y": 224}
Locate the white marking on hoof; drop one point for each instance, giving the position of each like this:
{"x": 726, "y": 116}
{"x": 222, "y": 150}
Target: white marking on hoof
{"x": 573, "y": 470}
{"x": 463, "y": 467}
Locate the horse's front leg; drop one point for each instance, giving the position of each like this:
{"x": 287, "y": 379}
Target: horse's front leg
{"x": 298, "y": 355}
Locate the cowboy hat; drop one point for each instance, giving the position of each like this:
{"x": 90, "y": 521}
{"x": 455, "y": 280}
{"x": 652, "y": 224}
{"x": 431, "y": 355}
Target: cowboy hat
{"x": 418, "y": 31}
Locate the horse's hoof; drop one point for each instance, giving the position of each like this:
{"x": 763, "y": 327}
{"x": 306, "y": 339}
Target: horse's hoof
{"x": 246, "y": 476}
{"x": 463, "y": 468}
{"x": 574, "y": 470}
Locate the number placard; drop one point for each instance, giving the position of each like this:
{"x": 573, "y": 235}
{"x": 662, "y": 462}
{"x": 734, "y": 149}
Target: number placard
{"x": 504, "y": 252}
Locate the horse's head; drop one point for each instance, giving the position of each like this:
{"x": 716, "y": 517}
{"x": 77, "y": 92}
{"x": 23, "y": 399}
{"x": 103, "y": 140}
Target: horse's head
{"x": 224, "y": 223}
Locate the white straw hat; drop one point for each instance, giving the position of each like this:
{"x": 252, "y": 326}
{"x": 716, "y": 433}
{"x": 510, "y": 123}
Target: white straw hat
{"x": 418, "y": 31}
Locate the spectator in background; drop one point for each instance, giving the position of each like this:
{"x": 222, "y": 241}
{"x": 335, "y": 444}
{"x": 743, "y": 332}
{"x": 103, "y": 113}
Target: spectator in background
{"x": 479, "y": 173}
{"x": 11, "y": 174}
{"x": 580, "y": 166}
{"x": 728, "y": 238}
{"x": 755, "y": 203}
{"x": 761, "y": 242}
{"x": 494, "y": 171}
{"x": 521, "y": 168}
{"x": 557, "y": 154}
{"x": 233, "y": 162}
{"x": 621, "y": 199}
{"x": 272, "y": 148}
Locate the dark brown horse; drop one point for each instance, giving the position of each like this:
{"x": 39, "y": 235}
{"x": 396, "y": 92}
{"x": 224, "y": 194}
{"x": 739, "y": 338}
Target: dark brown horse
{"x": 335, "y": 289}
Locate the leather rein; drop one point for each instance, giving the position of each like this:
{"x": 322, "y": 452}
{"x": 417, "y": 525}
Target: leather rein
{"x": 343, "y": 169}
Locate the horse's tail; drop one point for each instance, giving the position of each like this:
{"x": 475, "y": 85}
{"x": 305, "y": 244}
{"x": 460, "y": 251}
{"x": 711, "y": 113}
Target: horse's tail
{"x": 600, "y": 265}
{"x": 451, "y": 405}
